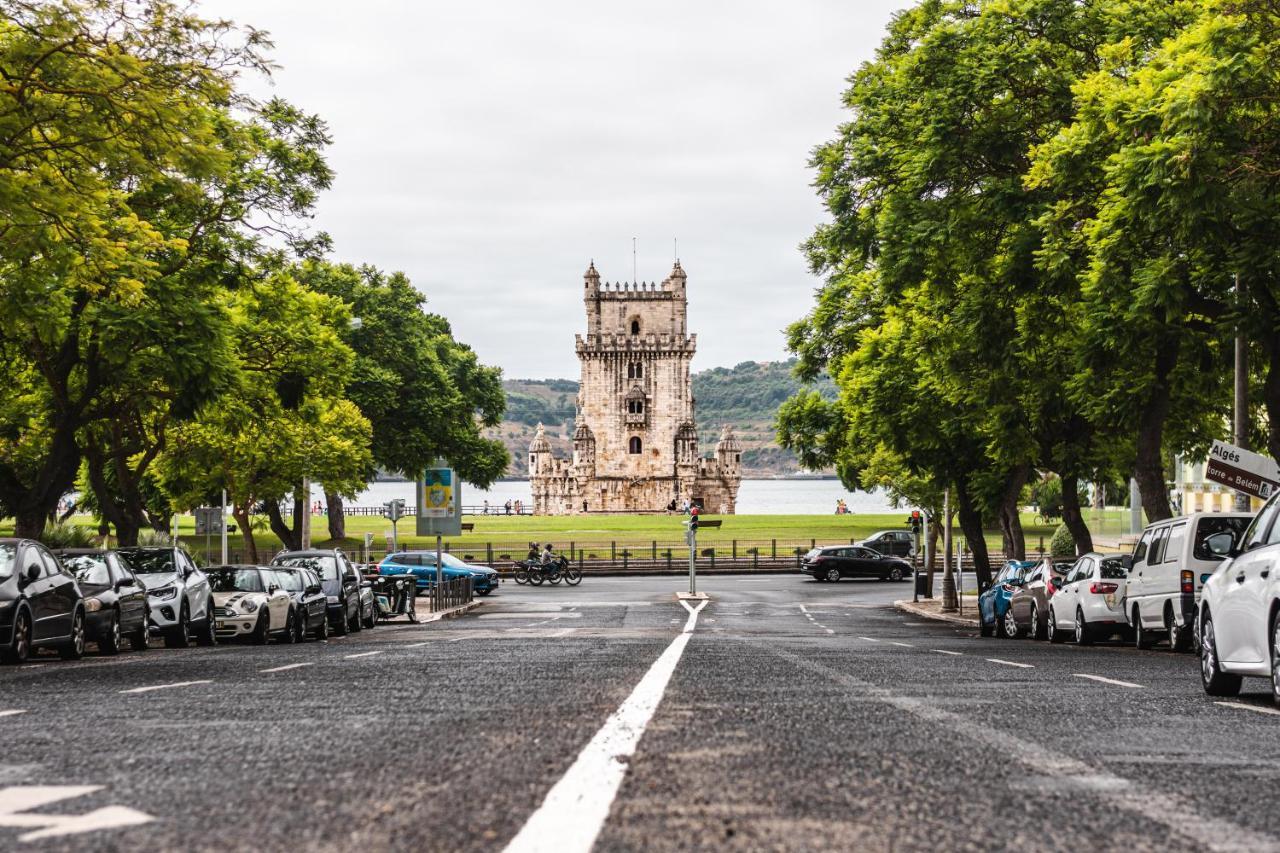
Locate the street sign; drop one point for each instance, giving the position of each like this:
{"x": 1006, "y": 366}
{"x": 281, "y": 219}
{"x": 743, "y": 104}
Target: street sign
{"x": 209, "y": 520}
{"x": 1242, "y": 470}
{"x": 439, "y": 510}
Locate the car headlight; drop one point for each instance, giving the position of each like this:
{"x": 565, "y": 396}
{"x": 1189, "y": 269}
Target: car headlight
{"x": 163, "y": 592}
{"x": 92, "y": 605}
{"x": 248, "y": 606}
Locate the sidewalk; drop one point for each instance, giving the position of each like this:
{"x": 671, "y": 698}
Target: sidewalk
{"x": 931, "y": 608}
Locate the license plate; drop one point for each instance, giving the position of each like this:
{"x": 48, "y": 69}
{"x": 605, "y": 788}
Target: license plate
{"x": 221, "y": 623}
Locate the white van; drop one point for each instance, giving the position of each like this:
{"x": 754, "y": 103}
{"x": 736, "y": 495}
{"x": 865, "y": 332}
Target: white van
{"x": 1168, "y": 567}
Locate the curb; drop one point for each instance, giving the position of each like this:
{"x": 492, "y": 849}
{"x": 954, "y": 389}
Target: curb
{"x": 449, "y": 614}
{"x": 928, "y": 613}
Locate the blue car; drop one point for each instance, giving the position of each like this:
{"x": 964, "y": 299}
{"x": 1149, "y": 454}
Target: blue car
{"x": 993, "y": 604}
{"x": 422, "y": 565}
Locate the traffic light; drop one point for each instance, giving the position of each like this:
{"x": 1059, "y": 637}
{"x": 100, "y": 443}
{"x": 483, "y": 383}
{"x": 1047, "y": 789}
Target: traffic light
{"x": 693, "y": 518}
{"x": 394, "y": 510}
{"x": 916, "y": 520}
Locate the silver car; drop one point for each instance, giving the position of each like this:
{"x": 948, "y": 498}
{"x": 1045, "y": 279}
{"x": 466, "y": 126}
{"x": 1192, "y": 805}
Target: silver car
{"x": 1090, "y": 603}
{"x": 178, "y": 595}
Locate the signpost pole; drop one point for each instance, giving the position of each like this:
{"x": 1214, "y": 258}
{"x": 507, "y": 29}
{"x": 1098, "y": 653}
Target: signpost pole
{"x": 439, "y": 567}
{"x": 224, "y": 527}
{"x": 1240, "y": 427}
{"x": 693, "y": 571}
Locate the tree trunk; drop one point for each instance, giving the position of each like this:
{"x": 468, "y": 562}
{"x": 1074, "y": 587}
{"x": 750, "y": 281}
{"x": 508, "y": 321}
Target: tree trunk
{"x": 1149, "y": 467}
{"x": 288, "y": 536}
{"x": 241, "y": 515}
{"x": 971, "y": 525}
{"x": 301, "y": 505}
{"x": 337, "y": 521}
{"x": 931, "y": 555}
{"x": 1073, "y": 518}
{"x": 1271, "y": 396}
{"x": 1015, "y": 541}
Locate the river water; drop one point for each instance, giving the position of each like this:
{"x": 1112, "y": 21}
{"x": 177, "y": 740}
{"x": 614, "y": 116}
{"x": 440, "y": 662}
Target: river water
{"x": 756, "y": 497}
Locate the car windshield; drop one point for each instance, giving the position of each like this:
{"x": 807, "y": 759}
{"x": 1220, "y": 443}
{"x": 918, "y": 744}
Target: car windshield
{"x": 325, "y": 567}
{"x": 146, "y": 562}
{"x": 6, "y": 560}
{"x": 286, "y": 579}
{"x": 1113, "y": 569}
{"x": 88, "y": 568}
{"x": 235, "y": 580}
{"x": 1211, "y": 525}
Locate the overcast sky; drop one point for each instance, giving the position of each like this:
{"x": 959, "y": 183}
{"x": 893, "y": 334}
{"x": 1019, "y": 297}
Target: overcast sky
{"x": 490, "y": 150}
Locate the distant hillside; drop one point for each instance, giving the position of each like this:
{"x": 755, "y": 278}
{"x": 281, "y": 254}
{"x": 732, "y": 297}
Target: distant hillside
{"x": 746, "y": 396}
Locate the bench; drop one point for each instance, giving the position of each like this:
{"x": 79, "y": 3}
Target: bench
{"x": 707, "y": 523}
{"x": 468, "y": 526}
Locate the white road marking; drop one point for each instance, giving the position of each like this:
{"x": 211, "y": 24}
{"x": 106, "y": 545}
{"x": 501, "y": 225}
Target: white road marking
{"x": 12, "y": 713}
{"x": 1243, "y": 706}
{"x": 869, "y": 639}
{"x": 427, "y": 643}
{"x": 805, "y": 611}
{"x": 166, "y": 686}
{"x": 286, "y": 666}
{"x": 1012, "y": 663}
{"x": 16, "y": 800}
{"x": 945, "y": 652}
{"x": 575, "y": 809}
{"x": 362, "y": 655}
{"x": 529, "y": 614}
{"x": 828, "y": 630}
{"x": 563, "y": 632}
{"x": 904, "y": 645}
{"x": 1107, "y": 680}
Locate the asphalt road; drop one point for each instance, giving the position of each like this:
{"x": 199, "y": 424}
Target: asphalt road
{"x": 785, "y": 715}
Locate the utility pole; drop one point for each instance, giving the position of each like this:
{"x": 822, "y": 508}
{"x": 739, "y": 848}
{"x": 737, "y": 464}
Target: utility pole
{"x": 950, "y": 602}
{"x": 224, "y": 528}
{"x": 1240, "y": 431}
{"x": 304, "y": 535}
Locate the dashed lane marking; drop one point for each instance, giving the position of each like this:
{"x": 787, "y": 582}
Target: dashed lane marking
{"x": 1011, "y": 663}
{"x": 828, "y": 630}
{"x": 869, "y": 639}
{"x": 530, "y": 614}
{"x": 12, "y": 712}
{"x": 904, "y": 645}
{"x": 945, "y": 652}
{"x": 166, "y": 686}
{"x": 286, "y": 667}
{"x": 575, "y": 809}
{"x": 362, "y": 655}
{"x": 1107, "y": 680}
{"x": 1241, "y": 705}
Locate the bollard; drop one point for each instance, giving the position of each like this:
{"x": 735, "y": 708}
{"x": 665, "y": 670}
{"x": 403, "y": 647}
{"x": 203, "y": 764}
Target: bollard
{"x": 655, "y": 550}
{"x": 773, "y": 554}
{"x": 735, "y": 550}
{"x": 668, "y": 559}
{"x": 613, "y": 551}
{"x": 488, "y": 547}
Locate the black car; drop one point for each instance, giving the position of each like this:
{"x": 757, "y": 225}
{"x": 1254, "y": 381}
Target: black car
{"x": 311, "y": 612}
{"x": 896, "y": 543}
{"x": 40, "y": 603}
{"x": 115, "y": 601}
{"x": 340, "y": 580}
{"x": 853, "y": 561}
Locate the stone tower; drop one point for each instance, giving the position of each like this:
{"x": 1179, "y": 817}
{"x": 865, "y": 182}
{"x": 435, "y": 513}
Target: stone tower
{"x": 635, "y": 441}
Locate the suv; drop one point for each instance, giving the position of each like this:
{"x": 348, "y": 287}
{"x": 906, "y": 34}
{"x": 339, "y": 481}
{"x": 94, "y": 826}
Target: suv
{"x": 40, "y": 603}
{"x": 341, "y": 582}
{"x": 897, "y": 543}
{"x": 180, "y": 603}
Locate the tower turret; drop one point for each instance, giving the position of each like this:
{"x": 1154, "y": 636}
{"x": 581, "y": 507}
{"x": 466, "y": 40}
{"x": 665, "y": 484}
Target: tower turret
{"x": 540, "y": 459}
{"x": 728, "y": 451}
{"x": 591, "y": 297}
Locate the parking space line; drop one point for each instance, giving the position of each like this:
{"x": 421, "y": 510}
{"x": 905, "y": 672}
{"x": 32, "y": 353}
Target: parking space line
{"x": 945, "y": 652}
{"x": 286, "y": 666}
{"x": 420, "y": 645}
{"x": 166, "y": 686}
{"x": 904, "y": 645}
{"x": 362, "y": 654}
{"x": 1106, "y": 680}
{"x": 1012, "y": 663}
{"x": 1243, "y": 706}
{"x": 12, "y": 713}
{"x": 869, "y": 639}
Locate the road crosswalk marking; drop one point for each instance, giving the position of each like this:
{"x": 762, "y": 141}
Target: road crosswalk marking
{"x": 17, "y": 802}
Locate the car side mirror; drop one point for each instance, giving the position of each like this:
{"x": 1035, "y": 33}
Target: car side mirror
{"x": 122, "y": 583}
{"x": 1220, "y": 544}
{"x": 187, "y": 571}
{"x": 273, "y": 589}
{"x": 33, "y": 572}
{"x": 1127, "y": 562}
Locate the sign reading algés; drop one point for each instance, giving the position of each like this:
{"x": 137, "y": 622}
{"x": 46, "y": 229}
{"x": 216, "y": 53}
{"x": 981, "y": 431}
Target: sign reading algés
{"x": 1242, "y": 470}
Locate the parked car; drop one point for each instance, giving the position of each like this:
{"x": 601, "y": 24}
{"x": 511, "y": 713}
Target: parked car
{"x": 368, "y": 603}
{"x": 833, "y": 562}
{"x": 115, "y": 601}
{"x": 1090, "y": 604}
{"x": 1029, "y": 607}
{"x": 310, "y": 609}
{"x": 248, "y": 602}
{"x": 895, "y": 543}
{"x": 422, "y": 565}
{"x": 180, "y": 605}
{"x": 993, "y": 602}
{"x": 1167, "y": 570}
{"x": 340, "y": 581}
{"x": 40, "y": 603}
{"x": 1239, "y": 613}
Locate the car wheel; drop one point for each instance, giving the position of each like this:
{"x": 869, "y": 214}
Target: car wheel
{"x": 832, "y": 575}
{"x": 140, "y": 640}
{"x": 984, "y": 629}
{"x": 1012, "y": 630}
{"x": 1084, "y": 634}
{"x": 1037, "y": 630}
{"x": 896, "y": 574}
{"x": 1051, "y": 629}
{"x": 290, "y": 634}
{"x": 110, "y": 641}
{"x": 207, "y": 635}
{"x": 179, "y": 636}
{"x": 73, "y": 649}
{"x": 1142, "y": 638}
{"x": 322, "y": 632}
{"x": 484, "y": 592}
{"x": 20, "y": 646}
{"x": 1275, "y": 660}
{"x": 372, "y": 620}
{"x": 355, "y": 621}
{"x": 1215, "y": 681}
{"x": 1179, "y": 635}
{"x": 261, "y": 630}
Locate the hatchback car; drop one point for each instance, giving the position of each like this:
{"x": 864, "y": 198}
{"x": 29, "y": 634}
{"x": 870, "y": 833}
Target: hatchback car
{"x": 422, "y": 565}
{"x": 833, "y": 562}
{"x": 1090, "y": 604}
{"x": 993, "y": 602}
{"x": 180, "y": 603}
{"x": 1029, "y": 608}
{"x": 248, "y": 602}
{"x": 115, "y": 601}
{"x": 340, "y": 581}
{"x": 309, "y": 606}
{"x": 40, "y": 603}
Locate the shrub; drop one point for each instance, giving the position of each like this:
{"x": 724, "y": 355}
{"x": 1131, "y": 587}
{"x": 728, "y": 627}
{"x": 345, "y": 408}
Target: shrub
{"x": 1062, "y": 544}
{"x": 64, "y": 535}
{"x": 149, "y": 538}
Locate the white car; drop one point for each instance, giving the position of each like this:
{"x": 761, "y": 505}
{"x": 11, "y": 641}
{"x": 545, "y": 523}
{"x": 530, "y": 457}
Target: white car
{"x": 1089, "y": 605}
{"x": 1239, "y": 617}
{"x": 248, "y": 601}
{"x": 178, "y": 600}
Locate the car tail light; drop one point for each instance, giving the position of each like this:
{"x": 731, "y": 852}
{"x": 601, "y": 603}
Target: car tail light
{"x": 1188, "y": 582}
{"x": 1051, "y": 586}
{"x": 1103, "y": 588}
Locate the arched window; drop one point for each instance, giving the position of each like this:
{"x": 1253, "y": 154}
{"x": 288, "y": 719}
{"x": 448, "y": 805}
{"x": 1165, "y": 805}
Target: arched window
{"x": 635, "y": 327}
{"x": 635, "y": 371}
{"x": 635, "y": 407}
{"x": 634, "y": 445}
